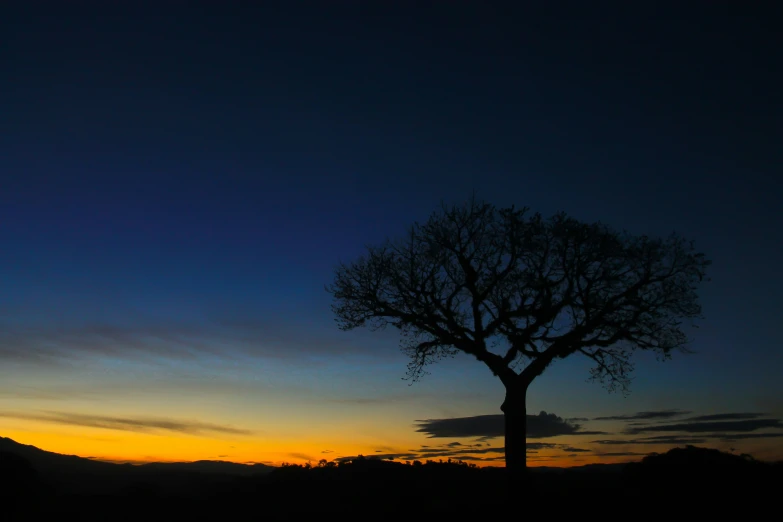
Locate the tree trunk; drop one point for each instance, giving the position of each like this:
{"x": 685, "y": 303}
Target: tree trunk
{"x": 515, "y": 414}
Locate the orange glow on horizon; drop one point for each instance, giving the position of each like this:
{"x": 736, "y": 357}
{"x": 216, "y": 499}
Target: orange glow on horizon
{"x": 134, "y": 448}
{"x": 119, "y": 446}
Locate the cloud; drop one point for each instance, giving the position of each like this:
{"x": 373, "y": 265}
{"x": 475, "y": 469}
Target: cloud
{"x": 541, "y": 445}
{"x": 133, "y": 424}
{"x": 665, "y": 439}
{"x": 744, "y": 436}
{"x": 621, "y": 454}
{"x": 478, "y": 426}
{"x": 490, "y": 426}
{"x": 706, "y": 427}
{"x": 724, "y": 416}
{"x": 702, "y": 429}
{"x": 645, "y": 415}
{"x": 446, "y": 453}
{"x": 327, "y": 451}
{"x": 156, "y": 380}
{"x": 656, "y": 432}
{"x": 380, "y": 456}
{"x": 302, "y": 456}
{"x": 462, "y": 452}
{"x": 465, "y": 453}
{"x": 699, "y": 429}
{"x": 220, "y": 336}
{"x": 437, "y": 454}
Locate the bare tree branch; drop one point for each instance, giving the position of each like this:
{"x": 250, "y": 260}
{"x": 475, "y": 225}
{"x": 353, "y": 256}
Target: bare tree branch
{"x": 474, "y": 274}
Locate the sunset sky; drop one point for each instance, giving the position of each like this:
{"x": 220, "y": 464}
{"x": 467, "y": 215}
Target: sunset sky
{"x": 178, "y": 182}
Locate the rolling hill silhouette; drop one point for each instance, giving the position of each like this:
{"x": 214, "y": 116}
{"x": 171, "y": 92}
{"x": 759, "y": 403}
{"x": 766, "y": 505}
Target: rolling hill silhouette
{"x": 42, "y": 484}
{"x": 209, "y": 466}
{"x": 49, "y": 462}
{"x": 70, "y": 474}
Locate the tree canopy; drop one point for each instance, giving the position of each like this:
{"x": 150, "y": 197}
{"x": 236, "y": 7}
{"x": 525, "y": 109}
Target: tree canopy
{"x": 517, "y": 291}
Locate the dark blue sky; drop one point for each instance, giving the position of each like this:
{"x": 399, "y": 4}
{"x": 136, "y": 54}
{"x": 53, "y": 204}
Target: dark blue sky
{"x": 175, "y": 163}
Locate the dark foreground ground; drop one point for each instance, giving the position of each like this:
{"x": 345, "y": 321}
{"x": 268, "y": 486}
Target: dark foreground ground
{"x": 687, "y": 482}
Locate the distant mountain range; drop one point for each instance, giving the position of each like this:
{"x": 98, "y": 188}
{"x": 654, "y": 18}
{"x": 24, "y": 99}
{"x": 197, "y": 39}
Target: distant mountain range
{"x": 210, "y": 466}
{"x": 47, "y": 461}
{"x": 70, "y": 473}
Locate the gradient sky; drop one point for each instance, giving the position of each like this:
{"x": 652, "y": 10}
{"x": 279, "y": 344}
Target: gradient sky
{"x": 179, "y": 180}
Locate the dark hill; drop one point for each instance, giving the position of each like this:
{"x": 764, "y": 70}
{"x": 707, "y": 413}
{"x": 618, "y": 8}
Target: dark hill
{"x": 69, "y": 474}
{"x": 210, "y": 466}
{"x": 705, "y": 466}
{"x": 47, "y": 462}
{"x": 689, "y": 480}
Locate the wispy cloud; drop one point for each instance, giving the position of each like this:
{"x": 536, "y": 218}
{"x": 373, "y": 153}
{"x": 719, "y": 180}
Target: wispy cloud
{"x": 669, "y": 440}
{"x": 725, "y": 416}
{"x": 458, "y": 451}
{"x": 696, "y": 430}
{"x": 133, "y": 424}
{"x": 744, "y": 436}
{"x": 220, "y": 336}
{"x": 645, "y": 415}
{"x": 707, "y": 427}
{"x": 541, "y": 445}
{"x": 302, "y": 456}
{"x": 452, "y": 453}
{"x": 381, "y": 456}
{"x": 701, "y": 429}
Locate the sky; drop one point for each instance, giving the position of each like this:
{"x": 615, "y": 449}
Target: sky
{"x": 179, "y": 181}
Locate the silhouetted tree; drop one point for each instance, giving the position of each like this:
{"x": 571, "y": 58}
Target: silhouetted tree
{"x": 517, "y": 291}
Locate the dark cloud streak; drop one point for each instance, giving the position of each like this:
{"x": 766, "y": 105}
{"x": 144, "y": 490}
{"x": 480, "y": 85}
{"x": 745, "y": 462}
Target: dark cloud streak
{"x": 651, "y": 440}
{"x": 724, "y": 416}
{"x": 645, "y": 415}
{"x": 490, "y": 426}
{"x": 302, "y": 456}
{"x": 132, "y": 424}
{"x": 707, "y": 427}
{"x": 745, "y": 436}
{"x": 51, "y": 344}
